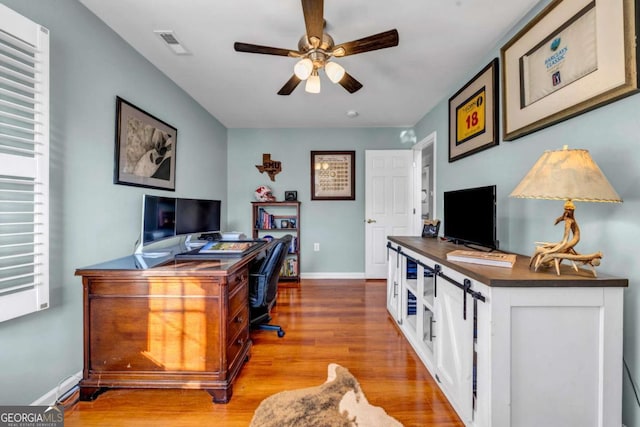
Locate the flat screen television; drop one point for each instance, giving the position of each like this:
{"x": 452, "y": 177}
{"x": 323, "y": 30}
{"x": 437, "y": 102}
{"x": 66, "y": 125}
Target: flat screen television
{"x": 197, "y": 216}
{"x": 158, "y": 218}
{"x": 470, "y": 216}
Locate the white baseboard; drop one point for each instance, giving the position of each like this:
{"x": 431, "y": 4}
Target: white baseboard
{"x": 332, "y": 276}
{"x": 50, "y": 397}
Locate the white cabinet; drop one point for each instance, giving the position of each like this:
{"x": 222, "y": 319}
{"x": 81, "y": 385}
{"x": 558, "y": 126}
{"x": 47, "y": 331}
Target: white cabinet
{"x": 511, "y": 347}
{"x": 393, "y": 283}
{"x": 455, "y": 345}
{"x": 410, "y": 300}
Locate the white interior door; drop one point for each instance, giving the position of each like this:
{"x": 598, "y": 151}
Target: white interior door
{"x": 389, "y": 206}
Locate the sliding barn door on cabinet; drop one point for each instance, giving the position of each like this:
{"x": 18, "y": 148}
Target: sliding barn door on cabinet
{"x": 454, "y": 349}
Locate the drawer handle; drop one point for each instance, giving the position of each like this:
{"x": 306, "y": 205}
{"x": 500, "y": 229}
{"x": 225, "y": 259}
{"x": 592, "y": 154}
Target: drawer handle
{"x": 239, "y": 319}
{"x": 240, "y": 342}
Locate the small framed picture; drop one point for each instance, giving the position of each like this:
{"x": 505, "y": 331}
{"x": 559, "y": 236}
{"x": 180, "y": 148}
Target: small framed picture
{"x": 291, "y": 196}
{"x": 285, "y": 223}
{"x": 430, "y": 228}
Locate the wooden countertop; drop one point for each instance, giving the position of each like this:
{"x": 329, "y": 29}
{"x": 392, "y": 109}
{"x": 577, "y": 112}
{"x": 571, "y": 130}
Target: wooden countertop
{"x": 518, "y": 276}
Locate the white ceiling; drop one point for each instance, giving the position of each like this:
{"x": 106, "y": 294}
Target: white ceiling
{"x": 441, "y": 43}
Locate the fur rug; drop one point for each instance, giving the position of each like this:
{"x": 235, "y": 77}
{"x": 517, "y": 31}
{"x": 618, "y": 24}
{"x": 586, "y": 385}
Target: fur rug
{"x": 339, "y": 402}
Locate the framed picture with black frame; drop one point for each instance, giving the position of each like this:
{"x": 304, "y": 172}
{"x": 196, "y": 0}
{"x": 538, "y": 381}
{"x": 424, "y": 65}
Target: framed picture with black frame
{"x": 473, "y": 114}
{"x": 145, "y": 152}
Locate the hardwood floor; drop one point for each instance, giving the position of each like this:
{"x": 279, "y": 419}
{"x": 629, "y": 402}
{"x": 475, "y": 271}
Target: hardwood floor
{"x": 340, "y": 321}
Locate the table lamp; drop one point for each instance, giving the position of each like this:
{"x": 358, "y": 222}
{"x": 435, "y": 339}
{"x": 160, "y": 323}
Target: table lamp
{"x": 569, "y": 175}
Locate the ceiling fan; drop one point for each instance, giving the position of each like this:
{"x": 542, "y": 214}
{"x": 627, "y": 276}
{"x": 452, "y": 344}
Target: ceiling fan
{"x": 316, "y": 49}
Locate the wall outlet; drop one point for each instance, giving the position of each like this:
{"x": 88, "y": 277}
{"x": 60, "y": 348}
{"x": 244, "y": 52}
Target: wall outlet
{"x": 316, "y": 247}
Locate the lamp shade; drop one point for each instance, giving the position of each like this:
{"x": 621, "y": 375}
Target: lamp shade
{"x": 313, "y": 83}
{"x": 303, "y": 68}
{"x": 334, "y": 71}
{"x": 566, "y": 175}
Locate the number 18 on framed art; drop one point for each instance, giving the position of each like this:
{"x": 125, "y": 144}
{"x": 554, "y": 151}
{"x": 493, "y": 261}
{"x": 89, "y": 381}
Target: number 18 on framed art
{"x": 470, "y": 117}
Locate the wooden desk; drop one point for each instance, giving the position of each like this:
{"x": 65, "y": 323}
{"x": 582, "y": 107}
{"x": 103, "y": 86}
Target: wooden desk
{"x": 179, "y": 324}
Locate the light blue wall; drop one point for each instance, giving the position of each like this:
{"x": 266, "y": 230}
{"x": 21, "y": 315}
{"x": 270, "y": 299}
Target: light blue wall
{"x": 611, "y": 134}
{"x": 337, "y": 225}
{"x": 92, "y": 219}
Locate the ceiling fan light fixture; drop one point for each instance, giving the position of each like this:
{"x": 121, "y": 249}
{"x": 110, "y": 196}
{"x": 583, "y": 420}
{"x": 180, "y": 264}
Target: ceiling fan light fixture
{"x": 303, "y": 68}
{"x": 316, "y": 48}
{"x": 313, "y": 83}
{"x": 334, "y": 71}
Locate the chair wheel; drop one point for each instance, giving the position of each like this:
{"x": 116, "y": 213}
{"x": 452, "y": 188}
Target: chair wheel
{"x": 280, "y": 333}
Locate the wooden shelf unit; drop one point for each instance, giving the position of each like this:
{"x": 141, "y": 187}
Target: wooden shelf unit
{"x": 272, "y": 225}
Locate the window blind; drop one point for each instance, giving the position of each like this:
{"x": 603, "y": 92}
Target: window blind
{"x": 24, "y": 165}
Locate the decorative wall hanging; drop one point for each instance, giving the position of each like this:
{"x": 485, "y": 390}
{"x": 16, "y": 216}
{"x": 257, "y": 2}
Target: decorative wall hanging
{"x": 576, "y": 55}
{"x": 473, "y": 114}
{"x": 145, "y": 154}
{"x": 333, "y": 175}
{"x": 271, "y": 167}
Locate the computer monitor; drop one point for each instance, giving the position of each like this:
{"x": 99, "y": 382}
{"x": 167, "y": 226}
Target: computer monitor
{"x": 197, "y": 216}
{"x": 158, "y": 218}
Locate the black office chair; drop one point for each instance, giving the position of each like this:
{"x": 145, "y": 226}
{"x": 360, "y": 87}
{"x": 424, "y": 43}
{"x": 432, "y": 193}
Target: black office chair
{"x": 263, "y": 285}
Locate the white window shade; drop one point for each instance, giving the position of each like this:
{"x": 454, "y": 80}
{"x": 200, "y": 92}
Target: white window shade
{"x": 24, "y": 165}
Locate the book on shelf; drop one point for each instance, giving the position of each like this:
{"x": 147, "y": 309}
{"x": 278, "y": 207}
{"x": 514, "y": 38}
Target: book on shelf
{"x": 265, "y": 220}
{"x": 497, "y": 259}
{"x": 289, "y": 268}
{"x": 293, "y": 247}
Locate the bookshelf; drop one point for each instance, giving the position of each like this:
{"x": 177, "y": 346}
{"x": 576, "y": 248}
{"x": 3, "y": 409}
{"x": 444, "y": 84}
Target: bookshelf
{"x": 277, "y": 219}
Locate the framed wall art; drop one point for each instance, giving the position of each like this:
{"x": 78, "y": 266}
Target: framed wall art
{"x": 145, "y": 154}
{"x": 333, "y": 175}
{"x": 473, "y": 114}
{"x": 574, "y": 56}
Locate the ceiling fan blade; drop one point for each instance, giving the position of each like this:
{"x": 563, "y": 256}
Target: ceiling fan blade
{"x": 254, "y": 48}
{"x": 313, "y": 20}
{"x": 349, "y": 83}
{"x": 374, "y": 42}
{"x": 289, "y": 86}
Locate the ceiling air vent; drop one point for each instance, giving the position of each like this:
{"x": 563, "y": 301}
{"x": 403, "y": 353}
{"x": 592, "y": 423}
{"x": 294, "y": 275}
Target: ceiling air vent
{"x": 172, "y": 42}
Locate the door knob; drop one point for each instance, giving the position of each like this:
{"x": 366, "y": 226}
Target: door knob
{"x": 369, "y": 221}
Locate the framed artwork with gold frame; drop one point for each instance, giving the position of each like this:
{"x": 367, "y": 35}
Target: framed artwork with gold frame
{"x": 333, "y": 175}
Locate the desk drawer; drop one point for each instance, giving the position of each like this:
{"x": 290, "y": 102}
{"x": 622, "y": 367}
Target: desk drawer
{"x": 149, "y": 287}
{"x": 239, "y": 278}
{"x": 236, "y": 345}
{"x": 239, "y": 321}
{"x": 238, "y": 299}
